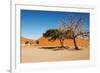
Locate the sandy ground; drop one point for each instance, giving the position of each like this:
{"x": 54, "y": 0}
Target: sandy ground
{"x": 42, "y": 52}
{"x": 38, "y": 54}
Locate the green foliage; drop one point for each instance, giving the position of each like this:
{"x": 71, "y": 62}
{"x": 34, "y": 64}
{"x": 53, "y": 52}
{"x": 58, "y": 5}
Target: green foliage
{"x": 52, "y": 33}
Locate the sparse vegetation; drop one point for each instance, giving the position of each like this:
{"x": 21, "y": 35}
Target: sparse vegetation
{"x": 72, "y": 30}
{"x": 54, "y": 34}
{"x": 37, "y": 42}
{"x": 27, "y": 42}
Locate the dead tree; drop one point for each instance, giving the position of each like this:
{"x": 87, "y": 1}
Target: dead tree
{"x": 76, "y": 28}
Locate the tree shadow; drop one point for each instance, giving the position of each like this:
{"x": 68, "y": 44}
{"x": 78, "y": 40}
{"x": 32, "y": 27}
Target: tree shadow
{"x": 73, "y": 49}
{"x": 56, "y": 48}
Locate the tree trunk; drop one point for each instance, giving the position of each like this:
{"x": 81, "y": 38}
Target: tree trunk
{"x": 62, "y": 44}
{"x": 76, "y": 47}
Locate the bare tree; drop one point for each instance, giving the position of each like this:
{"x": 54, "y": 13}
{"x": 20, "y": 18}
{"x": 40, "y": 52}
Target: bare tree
{"x": 76, "y": 28}
{"x": 31, "y": 42}
{"x": 68, "y": 30}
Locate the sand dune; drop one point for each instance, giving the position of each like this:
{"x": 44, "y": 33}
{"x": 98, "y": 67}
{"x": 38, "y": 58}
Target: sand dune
{"x": 67, "y": 42}
{"x": 23, "y": 39}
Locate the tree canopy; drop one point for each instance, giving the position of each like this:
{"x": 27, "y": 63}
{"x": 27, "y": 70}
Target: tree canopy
{"x": 70, "y": 30}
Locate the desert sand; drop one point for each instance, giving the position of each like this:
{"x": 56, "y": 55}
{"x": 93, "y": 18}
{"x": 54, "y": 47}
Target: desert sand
{"x": 48, "y": 51}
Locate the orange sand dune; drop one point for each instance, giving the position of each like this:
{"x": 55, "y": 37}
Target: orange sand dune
{"x": 67, "y": 42}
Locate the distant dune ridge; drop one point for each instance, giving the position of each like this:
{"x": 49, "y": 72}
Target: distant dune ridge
{"x": 34, "y": 52}
{"x": 45, "y": 42}
{"x": 23, "y": 39}
{"x": 26, "y": 40}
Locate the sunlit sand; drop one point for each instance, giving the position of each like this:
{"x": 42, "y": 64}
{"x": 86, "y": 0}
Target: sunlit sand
{"x": 51, "y": 51}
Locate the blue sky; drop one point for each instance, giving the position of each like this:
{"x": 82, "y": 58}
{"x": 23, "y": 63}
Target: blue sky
{"x": 34, "y": 23}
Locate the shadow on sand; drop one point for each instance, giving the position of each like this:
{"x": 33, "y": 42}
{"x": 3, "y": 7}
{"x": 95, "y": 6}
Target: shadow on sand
{"x": 57, "y": 48}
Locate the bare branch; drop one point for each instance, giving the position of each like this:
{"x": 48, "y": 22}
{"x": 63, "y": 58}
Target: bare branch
{"x": 83, "y": 34}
